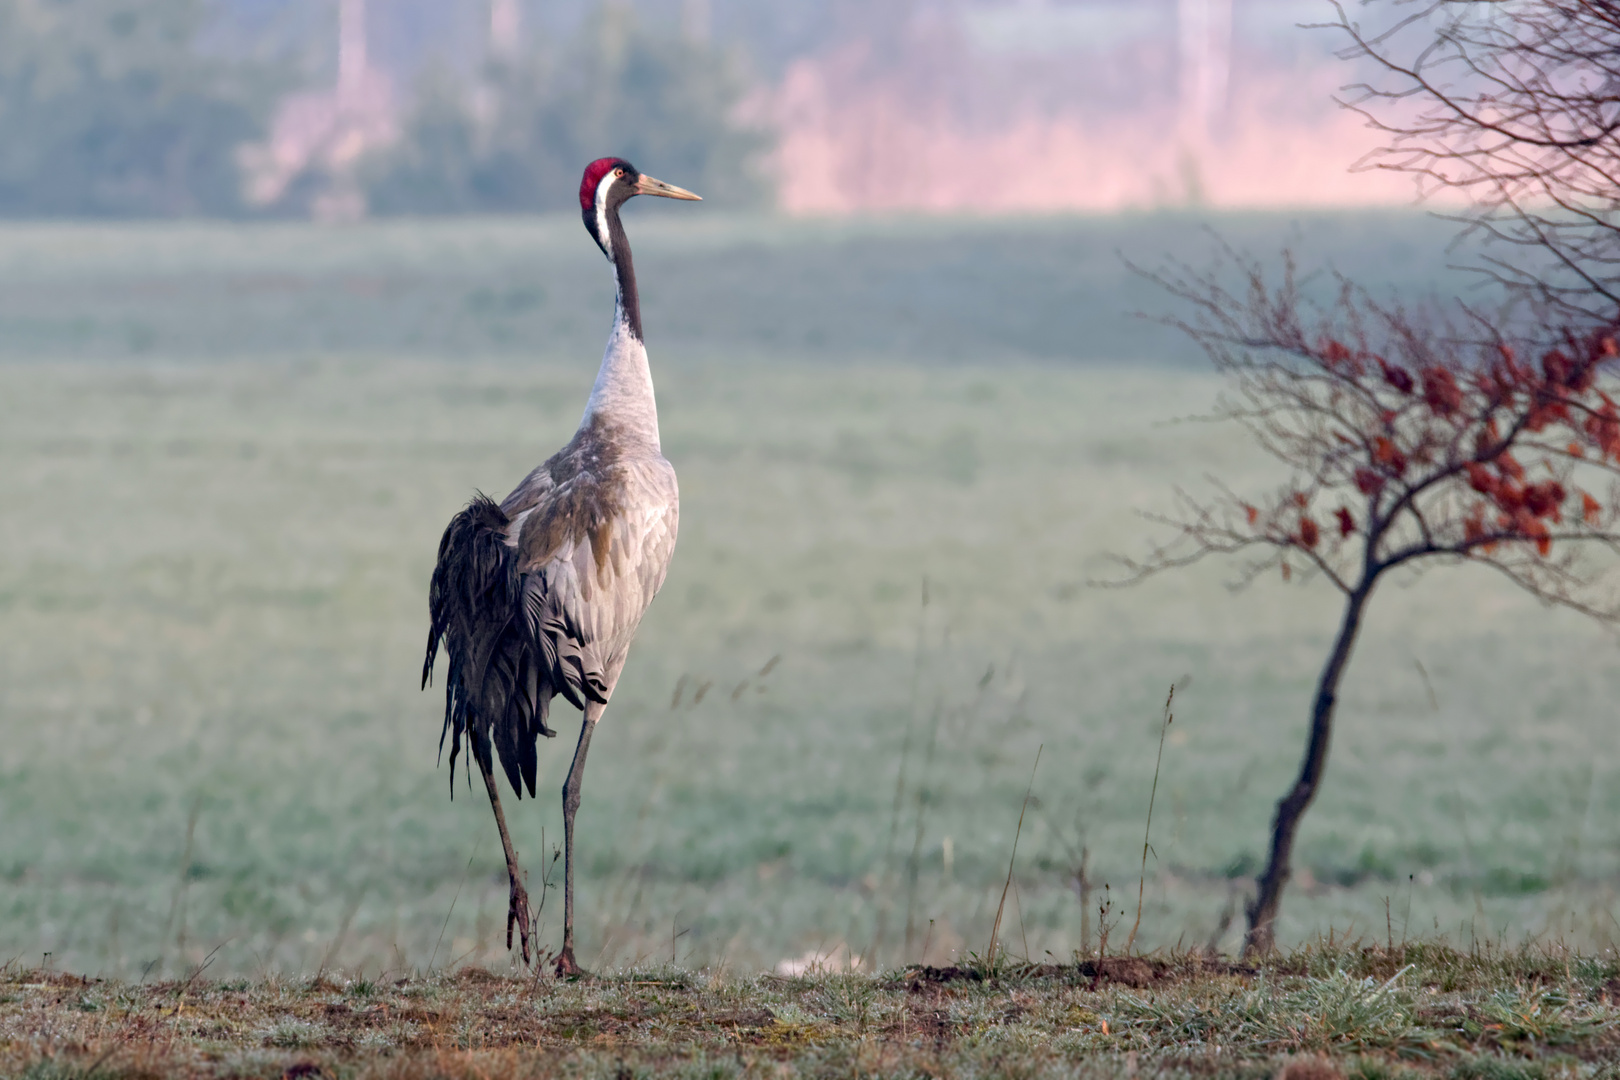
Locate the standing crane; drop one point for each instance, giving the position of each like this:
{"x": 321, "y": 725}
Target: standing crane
{"x": 539, "y": 595}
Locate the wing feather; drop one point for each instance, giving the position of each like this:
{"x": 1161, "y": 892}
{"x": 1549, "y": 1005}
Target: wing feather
{"x": 541, "y": 596}
{"x": 598, "y": 579}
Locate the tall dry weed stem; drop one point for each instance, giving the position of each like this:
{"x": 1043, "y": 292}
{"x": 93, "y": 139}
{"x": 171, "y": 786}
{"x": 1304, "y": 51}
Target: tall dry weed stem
{"x": 1147, "y": 830}
{"x": 995, "y": 928}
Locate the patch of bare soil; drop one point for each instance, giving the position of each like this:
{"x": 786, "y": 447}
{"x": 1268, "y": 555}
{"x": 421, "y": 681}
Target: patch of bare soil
{"x": 1137, "y": 972}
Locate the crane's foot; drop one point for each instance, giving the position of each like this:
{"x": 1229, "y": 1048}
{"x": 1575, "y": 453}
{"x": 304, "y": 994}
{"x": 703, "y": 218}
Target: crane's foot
{"x": 517, "y": 914}
{"x": 567, "y": 966}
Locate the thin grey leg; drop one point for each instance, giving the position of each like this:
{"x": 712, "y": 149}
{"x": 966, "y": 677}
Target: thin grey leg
{"x": 566, "y": 964}
{"x": 517, "y": 912}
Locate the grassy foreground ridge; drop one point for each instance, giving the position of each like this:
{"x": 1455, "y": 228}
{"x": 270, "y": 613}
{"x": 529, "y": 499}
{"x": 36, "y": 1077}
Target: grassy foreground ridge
{"x": 1313, "y": 1014}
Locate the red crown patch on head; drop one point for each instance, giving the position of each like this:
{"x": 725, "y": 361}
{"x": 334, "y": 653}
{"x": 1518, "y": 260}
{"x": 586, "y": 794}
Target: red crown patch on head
{"x": 593, "y": 176}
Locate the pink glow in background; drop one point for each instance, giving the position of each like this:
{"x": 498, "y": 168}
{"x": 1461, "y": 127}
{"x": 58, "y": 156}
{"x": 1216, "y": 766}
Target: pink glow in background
{"x": 927, "y": 125}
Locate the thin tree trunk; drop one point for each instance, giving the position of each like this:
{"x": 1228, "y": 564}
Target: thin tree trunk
{"x": 1262, "y": 912}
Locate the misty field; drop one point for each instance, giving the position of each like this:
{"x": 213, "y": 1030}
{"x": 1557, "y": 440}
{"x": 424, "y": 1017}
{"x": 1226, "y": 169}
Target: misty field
{"x": 905, "y": 451}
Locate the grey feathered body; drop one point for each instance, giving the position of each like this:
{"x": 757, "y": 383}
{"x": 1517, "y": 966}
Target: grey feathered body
{"x": 540, "y": 595}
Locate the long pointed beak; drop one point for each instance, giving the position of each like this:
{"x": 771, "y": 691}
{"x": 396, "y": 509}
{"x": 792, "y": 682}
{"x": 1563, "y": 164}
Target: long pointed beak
{"x": 649, "y": 186}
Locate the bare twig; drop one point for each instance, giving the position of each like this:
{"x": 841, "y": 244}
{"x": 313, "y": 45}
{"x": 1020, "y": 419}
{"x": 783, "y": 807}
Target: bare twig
{"x": 1147, "y": 832}
{"x": 197, "y": 971}
{"x": 1511, "y": 106}
{"x": 885, "y": 901}
{"x": 343, "y": 928}
{"x": 434, "y": 954}
{"x": 995, "y": 928}
{"x": 177, "y": 904}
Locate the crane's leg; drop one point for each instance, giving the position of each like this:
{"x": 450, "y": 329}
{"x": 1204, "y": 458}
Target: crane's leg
{"x": 566, "y": 964}
{"x": 517, "y": 911}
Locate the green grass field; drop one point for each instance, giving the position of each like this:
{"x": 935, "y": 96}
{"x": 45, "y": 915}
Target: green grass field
{"x": 226, "y": 455}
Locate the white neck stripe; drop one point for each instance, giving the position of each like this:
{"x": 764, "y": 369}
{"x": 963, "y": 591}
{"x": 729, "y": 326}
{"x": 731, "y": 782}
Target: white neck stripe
{"x": 602, "y": 187}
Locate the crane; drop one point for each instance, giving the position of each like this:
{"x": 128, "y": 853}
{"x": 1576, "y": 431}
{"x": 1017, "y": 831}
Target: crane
{"x": 539, "y": 595}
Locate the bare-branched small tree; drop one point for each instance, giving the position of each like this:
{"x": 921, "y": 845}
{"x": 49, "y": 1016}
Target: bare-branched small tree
{"x": 1515, "y": 107}
{"x": 1408, "y": 445}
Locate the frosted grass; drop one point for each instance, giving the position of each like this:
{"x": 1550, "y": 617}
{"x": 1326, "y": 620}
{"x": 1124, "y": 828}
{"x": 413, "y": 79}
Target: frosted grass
{"x": 211, "y": 595}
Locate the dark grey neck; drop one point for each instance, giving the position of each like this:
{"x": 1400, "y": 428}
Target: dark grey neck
{"x": 624, "y": 269}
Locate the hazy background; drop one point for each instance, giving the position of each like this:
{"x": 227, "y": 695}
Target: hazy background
{"x": 339, "y": 108}
{"x": 282, "y": 284}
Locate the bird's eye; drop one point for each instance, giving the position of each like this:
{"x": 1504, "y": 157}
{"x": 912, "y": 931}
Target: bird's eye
{"x": 618, "y": 172}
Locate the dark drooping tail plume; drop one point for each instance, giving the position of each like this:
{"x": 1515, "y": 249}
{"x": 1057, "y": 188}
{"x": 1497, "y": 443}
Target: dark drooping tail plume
{"x": 498, "y": 687}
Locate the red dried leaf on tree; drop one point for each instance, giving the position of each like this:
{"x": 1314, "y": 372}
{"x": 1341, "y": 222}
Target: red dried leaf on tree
{"x": 1397, "y": 376}
{"x": 1584, "y": 373}
{"x": 1386, "y": 453}
{"x": 1368, "y": 482}
{"x": 1556, "y": 367}
{"x": 1309, "y": 535}
{"x": 1441, "y": 392}
{"x": 1510, "y": 466}
{"x": 1603, "y": 428}
{"x": 1530, "y": 528}
{"x": 1334, "y": 352}
{"x": 1546, "y": 412}
{"x": 1301, "y": 499}
{"x": 1544, "y": 500}
{"x": 1480, "y": 478}
{"x": 1347, "y": 521}
{"x": 1251, "y": 513}
{"x": 1575, "y": 450}
{"x": 1591, "y": 509}
{"x": 1474, "y": 523}
{"x": 1505, "y": 383}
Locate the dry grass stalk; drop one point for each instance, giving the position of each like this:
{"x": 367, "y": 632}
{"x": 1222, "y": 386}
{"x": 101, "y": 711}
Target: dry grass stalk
{"x": 995, "y": 928}
{"x": 1147, "y": 832}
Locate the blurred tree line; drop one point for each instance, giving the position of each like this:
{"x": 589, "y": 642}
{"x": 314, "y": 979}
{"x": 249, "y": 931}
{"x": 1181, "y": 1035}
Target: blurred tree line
{"x": 110, "y": 108}
{"x": 127, "y": 108}
{"x": 516, "y": 138}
